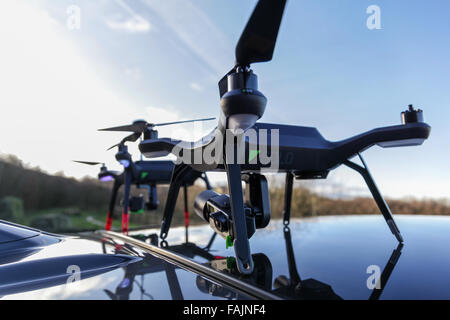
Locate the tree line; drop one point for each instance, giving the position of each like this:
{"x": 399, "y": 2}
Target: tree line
{"x": 40, "y": 191}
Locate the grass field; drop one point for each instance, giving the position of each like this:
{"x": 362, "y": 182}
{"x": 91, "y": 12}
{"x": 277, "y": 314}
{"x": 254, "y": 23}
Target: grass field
{"x": 71, "y": 220}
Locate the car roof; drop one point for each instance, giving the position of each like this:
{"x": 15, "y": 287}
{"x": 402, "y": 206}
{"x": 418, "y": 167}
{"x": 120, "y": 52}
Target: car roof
{"x": 338, "y": 257}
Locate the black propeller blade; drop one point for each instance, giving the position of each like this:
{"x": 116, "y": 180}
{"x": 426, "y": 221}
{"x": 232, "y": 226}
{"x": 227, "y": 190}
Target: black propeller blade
{"x": 140, "y": 126}
{"x": 182, "y": 121}
{"x": 257, "y": 42}
{"x": 131, "y": 138}
{"x": 136, "y": 126}
{"x": 112, "y": 147}
{"x": 89, "y": 163}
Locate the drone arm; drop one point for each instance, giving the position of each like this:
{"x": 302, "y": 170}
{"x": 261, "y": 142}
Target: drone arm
{"x": 411, "y": 134}
{"x": 381, "y": 203}
{"x": 153, "y": 148}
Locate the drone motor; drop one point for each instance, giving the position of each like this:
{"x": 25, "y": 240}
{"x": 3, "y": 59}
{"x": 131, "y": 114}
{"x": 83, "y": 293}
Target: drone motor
{"x": 412, "y": 115}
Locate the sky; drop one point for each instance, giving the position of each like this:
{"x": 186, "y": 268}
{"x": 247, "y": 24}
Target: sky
{"x": 160, "y": 60}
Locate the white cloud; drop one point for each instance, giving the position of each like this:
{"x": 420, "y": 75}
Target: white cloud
{"x": 195, "y": 86}
{"x": 134, "y": 23}
{"x": 52, "y": 100}
{"x": 134, "y": 73}
{"x": 196, "y": 31}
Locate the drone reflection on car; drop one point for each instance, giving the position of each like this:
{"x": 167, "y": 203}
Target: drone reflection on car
{"x": 151, "y": 264}
{"x": 286, "y": 287}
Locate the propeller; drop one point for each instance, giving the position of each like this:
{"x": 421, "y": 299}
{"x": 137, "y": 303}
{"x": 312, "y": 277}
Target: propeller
{"x": 89, "y": 163}
{"x": 104, "y": 174}
{"x": 131, "y": 138}
{"x": 139, "y": 126}
{"x": 92, "y": 163}
{"x": 257, "y": 41}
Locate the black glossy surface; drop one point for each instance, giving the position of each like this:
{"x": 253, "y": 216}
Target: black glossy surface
{"x": 48, "y": 272}
{"x": 333, "y": 251}
{"x": 10, "y": 232}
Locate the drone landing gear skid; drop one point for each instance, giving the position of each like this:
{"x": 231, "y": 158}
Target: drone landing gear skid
{"x": 125, "y": 214}
{"x": 178, "y": 175}
{"x": 387, "y": 271}
{"x": 288, "y": 198}
{"x": 364, "y": 171}
{"x": 382, "y": 205}
{"x": 239, "y": 228}
{"x": 172, "y": 279}
{"x": 241, "y": 243}
{"x": 186, "y": 214}
{"x": 112, "y": 203}
{"x": 204, "y": 177}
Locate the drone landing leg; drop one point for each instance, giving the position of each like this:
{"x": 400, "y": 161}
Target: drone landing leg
{"x": 376, "y": 293}
{"x": 241, "y": 244}
{"x": 186, "y": 213}
{"x": 293, "y": 273}
{"x": 211, "y": 240}
{"x": 174, "y": 284}
{"x": 125, "y": 214}
{"x": 206, "y": 180}
{"x": 288, "y": 198}
{"x": 112, "y": 203}
{"x": 178, "y": 174}
{"x": 382, "y": 205}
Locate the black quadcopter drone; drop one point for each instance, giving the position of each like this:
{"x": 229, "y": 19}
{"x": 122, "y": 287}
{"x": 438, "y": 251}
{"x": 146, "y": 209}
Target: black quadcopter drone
{"x": 303, "y": 153}
{"x": 144, "y": 175}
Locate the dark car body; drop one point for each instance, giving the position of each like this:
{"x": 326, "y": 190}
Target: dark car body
{"x": 339, "y": 257}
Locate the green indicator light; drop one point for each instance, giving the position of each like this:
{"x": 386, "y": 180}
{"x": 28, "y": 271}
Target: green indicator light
{"x": 228, "y": 242}
{"x": 252, "y": 155}
{"x": 139, "y": 237}
{"x": 144, "y": 175}
{"x": 231, "y": 262}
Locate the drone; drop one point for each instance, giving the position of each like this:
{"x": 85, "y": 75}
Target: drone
{"x": 303, "y": 153}
{"x": 143, "y": 174}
